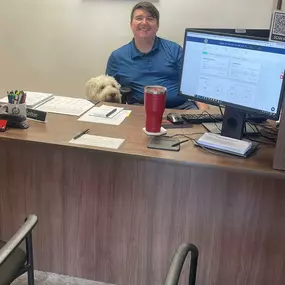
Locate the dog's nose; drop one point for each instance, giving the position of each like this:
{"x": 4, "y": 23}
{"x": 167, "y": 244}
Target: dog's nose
{"x": 113, "y": 94}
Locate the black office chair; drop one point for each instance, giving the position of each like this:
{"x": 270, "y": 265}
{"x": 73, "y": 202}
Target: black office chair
{"x": 174, "y": 271}
{"x": 13, "y": 260}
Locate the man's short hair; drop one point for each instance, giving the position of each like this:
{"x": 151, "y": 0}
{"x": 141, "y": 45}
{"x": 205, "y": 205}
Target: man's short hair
{"x": 147, "y": 6}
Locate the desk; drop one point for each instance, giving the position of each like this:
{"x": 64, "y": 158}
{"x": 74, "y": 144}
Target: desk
{"x": 118, "y": 215}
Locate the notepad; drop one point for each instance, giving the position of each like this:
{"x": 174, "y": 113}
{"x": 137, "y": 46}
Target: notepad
{"x": 116, "y": 119}
{"x": 105, "y": 111}
{"x": 98, "y": 141}
{"x": 66, "y": 105}
{"x": 33, "y": 99}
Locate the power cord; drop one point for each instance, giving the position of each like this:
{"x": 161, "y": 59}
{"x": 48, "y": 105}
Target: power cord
{"x": 212, "y": 117}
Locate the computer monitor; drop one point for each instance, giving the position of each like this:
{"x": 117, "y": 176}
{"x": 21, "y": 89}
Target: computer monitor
{"x": 259, "y": 33}
{"x": 241, "y": 73}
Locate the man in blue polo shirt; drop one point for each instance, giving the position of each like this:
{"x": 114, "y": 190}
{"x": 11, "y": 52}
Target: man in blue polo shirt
{"x": 149, "y": 60}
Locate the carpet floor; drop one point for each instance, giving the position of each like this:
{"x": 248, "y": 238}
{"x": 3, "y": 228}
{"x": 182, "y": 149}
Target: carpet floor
{"x": 46, "y": 278}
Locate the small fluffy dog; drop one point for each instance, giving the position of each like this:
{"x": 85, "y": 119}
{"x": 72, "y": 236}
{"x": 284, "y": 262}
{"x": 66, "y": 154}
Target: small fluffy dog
{"x": 103, "y": 88}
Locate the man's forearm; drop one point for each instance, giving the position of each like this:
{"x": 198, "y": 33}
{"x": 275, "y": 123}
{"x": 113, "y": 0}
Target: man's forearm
{"x": 201, "y": 105}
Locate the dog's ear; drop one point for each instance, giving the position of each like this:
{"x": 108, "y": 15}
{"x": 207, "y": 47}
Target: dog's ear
{"x": 117, "y": 84}
{"x": 91, "y": 89}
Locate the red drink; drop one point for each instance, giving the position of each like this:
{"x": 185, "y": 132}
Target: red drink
{"x": 154, "y": 103}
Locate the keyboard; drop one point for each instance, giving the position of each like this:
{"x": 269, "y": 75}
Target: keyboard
{"x": 214, "y": 118}
{"x": 202, "y": 118}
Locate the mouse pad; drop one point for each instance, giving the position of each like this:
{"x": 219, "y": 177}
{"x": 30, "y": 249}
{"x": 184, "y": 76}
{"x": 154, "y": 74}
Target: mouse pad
{"x": 164, "y": 143}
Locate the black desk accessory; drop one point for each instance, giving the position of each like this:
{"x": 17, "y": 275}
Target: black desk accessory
{"x": 208, "y": 118}
{"x": 36, "y": 115}
{"x": 126, "y": 92}
{"x": 14, "y": 121}
{"x": 164, "y": 143}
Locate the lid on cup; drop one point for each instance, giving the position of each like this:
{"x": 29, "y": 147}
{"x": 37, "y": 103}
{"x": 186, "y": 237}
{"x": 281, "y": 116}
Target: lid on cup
{"x": 155, "y": 89}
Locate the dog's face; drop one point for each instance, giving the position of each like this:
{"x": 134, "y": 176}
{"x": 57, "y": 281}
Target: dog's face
{"x": 103, "y": 88}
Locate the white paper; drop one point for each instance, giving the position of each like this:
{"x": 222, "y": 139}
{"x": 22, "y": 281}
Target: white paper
{"x": 115, "y": 120}
{"x": 103, "y": 110}
{"x": 66, "y": 105}
{"x": 33, "y": 98}
{"x": 98, "y": 141}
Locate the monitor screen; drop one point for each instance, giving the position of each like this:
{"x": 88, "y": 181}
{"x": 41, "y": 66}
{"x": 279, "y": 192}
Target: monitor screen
{"x": 236, "y": 71}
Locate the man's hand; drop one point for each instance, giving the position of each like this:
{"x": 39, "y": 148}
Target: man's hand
{"x": 203, "y": 106}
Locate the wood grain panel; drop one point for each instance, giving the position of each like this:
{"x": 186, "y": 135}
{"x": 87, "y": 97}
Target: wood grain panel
{"x": 61, "y": 129}
{"x": 118, "y": 218}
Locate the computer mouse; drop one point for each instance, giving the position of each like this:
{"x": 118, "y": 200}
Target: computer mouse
{"x": 175, "y": 118}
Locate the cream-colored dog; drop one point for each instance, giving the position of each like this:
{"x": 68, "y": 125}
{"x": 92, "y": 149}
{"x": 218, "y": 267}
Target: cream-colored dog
{"x": 103, "y": 88}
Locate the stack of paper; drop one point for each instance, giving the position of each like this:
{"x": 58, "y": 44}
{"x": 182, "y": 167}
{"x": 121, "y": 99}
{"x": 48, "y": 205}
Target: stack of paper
{"x": 99, "y": 115}
{"x": 66, "y": 105}
{"x": 33, "y": 99}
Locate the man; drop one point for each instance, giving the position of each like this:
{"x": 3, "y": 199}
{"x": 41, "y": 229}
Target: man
{"x": 149, "y": 60}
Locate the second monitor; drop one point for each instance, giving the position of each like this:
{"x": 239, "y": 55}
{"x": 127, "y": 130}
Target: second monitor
{"x": 243, "y": 74}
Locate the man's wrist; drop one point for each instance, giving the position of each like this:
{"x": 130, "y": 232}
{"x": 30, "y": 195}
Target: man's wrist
{"x": 201, "y": 105}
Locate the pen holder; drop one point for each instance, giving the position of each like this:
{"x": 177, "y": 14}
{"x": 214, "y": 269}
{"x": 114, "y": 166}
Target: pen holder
{"x": 14, "y": 109}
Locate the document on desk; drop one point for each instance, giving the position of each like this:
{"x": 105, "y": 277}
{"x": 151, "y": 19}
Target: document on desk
{"x": 94, "y": 115}
{"x": 98, "y": 141}
{"x": 66, "y": 105}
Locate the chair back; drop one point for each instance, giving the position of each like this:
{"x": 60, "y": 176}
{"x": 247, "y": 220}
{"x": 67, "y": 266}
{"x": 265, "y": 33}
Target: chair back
{"x": 174, "y": 272}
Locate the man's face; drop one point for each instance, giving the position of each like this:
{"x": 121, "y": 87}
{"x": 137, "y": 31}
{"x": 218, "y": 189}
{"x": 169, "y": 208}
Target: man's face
{"x": 143, "y": 25}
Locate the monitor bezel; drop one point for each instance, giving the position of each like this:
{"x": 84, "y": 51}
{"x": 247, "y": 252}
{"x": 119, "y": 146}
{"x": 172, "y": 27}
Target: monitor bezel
{"x": 223, "y": 103}
{"x": 260, "y": 33}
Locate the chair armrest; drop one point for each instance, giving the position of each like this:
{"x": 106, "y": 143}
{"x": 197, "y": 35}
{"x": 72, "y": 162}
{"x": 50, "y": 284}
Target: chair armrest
{"x": 18, "y": 237}
{"x": 177, "y": 263}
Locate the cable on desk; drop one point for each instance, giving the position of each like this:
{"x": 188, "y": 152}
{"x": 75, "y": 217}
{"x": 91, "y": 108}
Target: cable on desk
{"x": 271, "y": 141}
{"x": 215, "y": 121}
{"x": 221, "y": 111}
{"x": 262, "y": 142}
{"x": 196, "y": 143}
{"x": 268, "y": 132}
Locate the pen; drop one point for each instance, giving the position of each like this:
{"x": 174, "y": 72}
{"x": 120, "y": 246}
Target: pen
{"x": 178, "y": 143}
{"x": 24, "y": 97}
{"x": 20, "y": 98}
{"x": 111, "y": 112}
{"x": 81, "y": 134}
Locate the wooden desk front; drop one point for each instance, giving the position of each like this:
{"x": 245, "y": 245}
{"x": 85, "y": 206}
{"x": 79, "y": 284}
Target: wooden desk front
{"x": 118, "y": 215}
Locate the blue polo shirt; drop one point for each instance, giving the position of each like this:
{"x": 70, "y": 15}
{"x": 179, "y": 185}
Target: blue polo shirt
{"x": 160, "y": 66}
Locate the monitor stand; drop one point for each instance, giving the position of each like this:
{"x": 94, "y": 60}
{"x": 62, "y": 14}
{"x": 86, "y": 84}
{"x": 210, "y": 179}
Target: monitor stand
{"x": 233, "y": 123}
